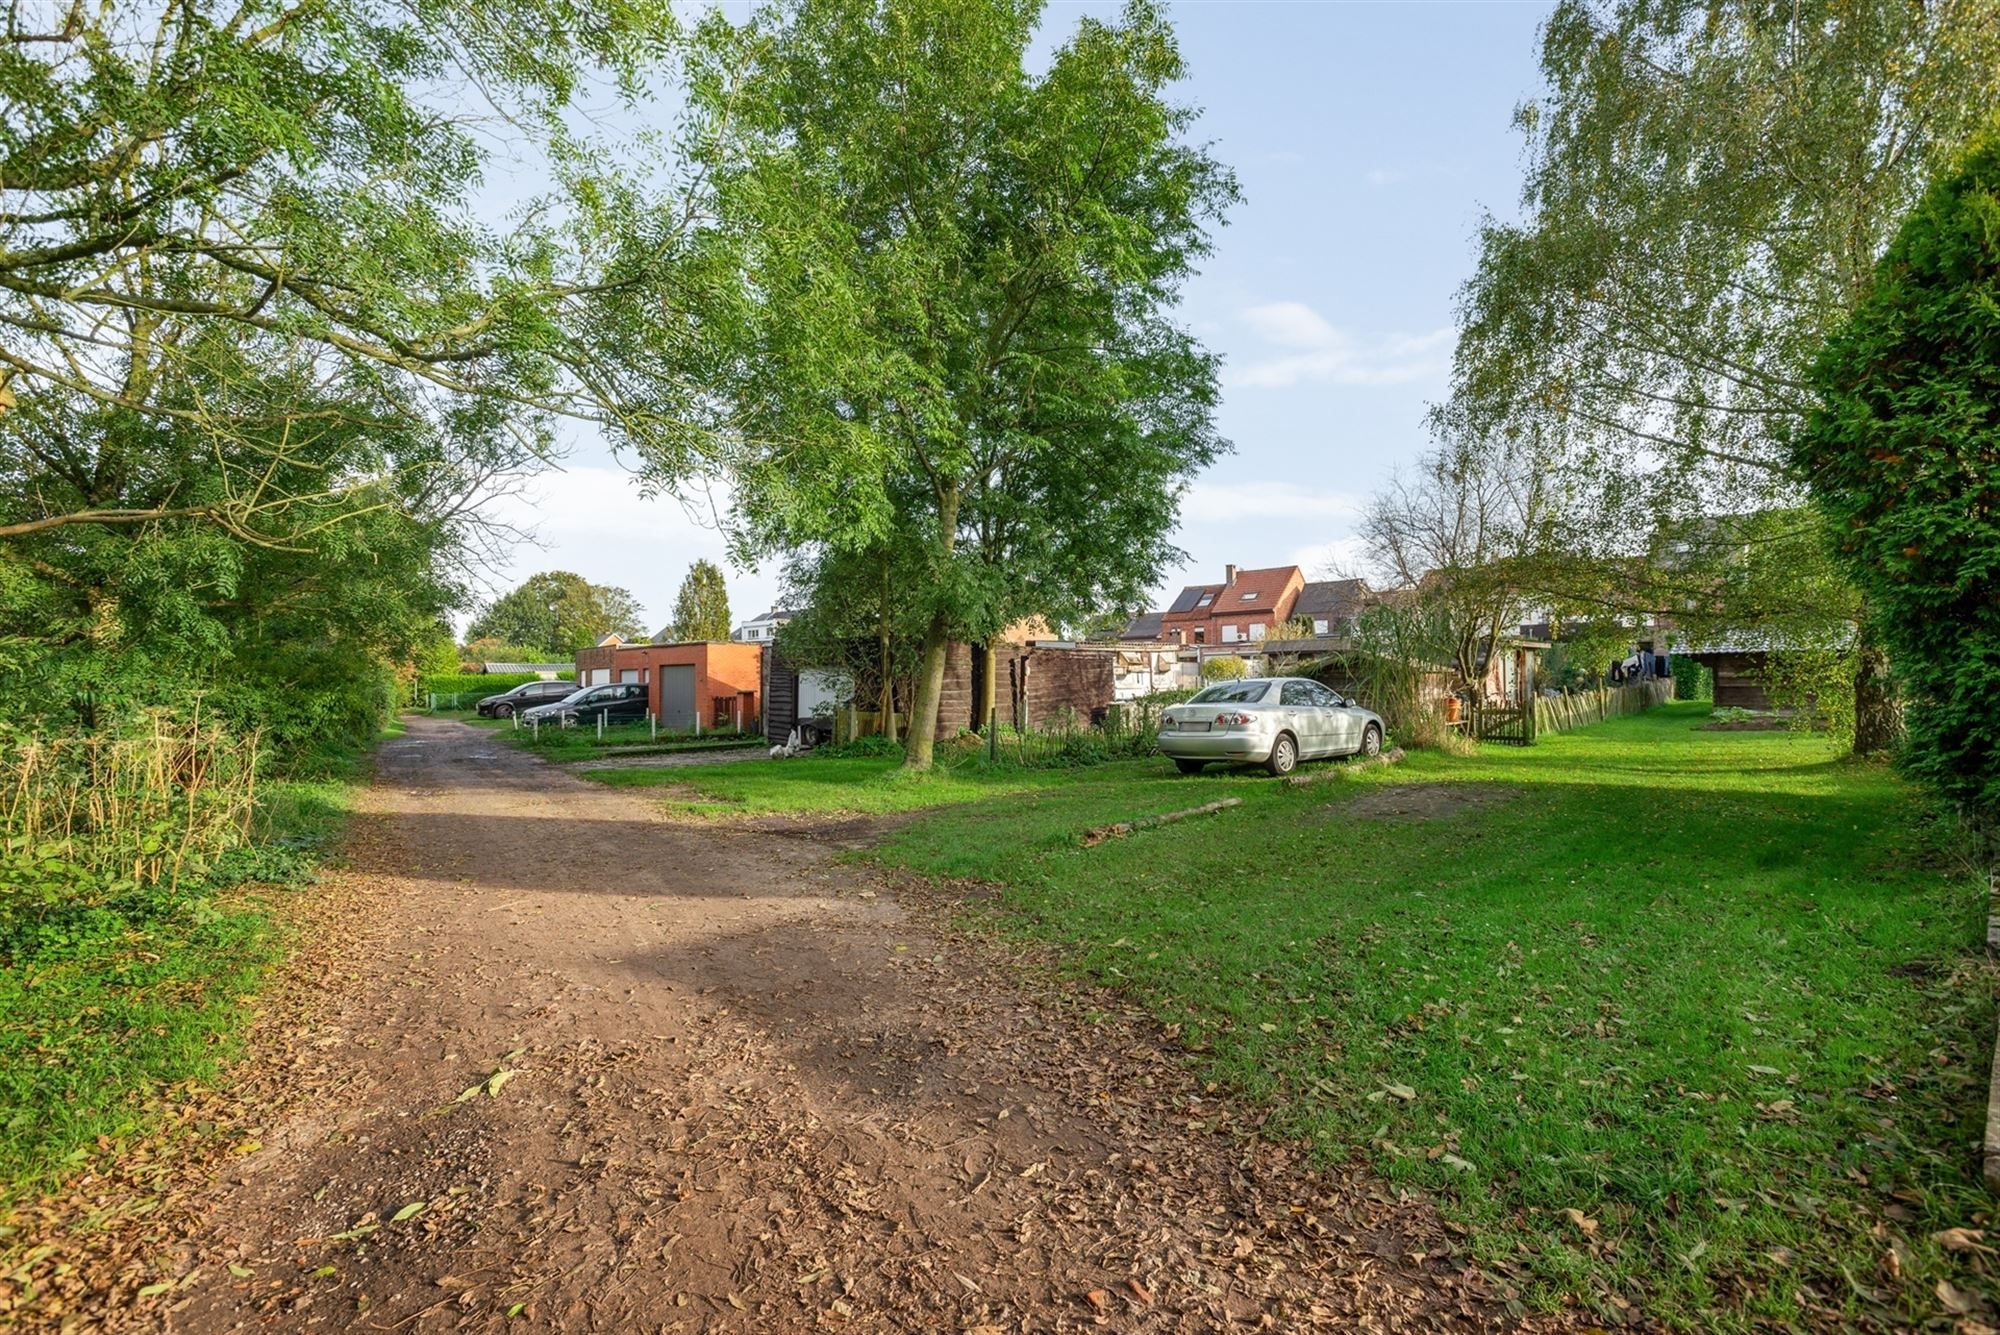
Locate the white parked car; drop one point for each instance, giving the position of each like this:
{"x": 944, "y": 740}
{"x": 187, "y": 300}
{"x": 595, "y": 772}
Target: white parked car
{"x": 1271, "y": 721}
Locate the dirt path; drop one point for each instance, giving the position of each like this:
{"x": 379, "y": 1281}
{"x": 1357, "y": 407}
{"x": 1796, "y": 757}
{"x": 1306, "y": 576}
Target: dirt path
{"x": 749, "y": 1092}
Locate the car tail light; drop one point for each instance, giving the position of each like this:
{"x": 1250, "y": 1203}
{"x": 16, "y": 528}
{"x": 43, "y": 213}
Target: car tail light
{"x": 1232, "y": 720}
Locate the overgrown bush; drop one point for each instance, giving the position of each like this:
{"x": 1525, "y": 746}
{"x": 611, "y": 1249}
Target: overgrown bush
{"x": 1903, "y": 456}
{"x": 1228, "y": 667}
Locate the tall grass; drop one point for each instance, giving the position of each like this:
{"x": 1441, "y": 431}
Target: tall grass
{"x": 149, "y": 805}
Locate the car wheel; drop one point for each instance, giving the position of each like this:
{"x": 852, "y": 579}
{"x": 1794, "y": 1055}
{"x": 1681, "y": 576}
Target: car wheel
{"x": 1189, "y": 766}
{"x": 1371, "y": 741}
{"x": 503, "y": 711}
{"x": 1284, "y": 756}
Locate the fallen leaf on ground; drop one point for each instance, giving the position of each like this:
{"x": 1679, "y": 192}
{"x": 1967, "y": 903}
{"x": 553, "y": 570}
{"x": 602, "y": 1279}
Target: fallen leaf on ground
{"x": 1583, "y": 1222}
{"x": 1957, "y": 1301}
{"x": 1962, "y": 1240}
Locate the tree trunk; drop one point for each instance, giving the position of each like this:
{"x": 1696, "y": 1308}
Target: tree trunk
{"x": 989, "y": 659}
{"x": 922, "y": 737}
{"x": 887, "y": 702}
{"x": 1878, "y": 722}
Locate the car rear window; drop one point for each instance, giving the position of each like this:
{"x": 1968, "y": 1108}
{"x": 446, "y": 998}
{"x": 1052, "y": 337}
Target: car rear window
{"x": 1232, "y": 693}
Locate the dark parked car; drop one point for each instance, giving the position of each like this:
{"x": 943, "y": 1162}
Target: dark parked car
{"x": 617, "y": 702}
{"x": 525, "y": 696}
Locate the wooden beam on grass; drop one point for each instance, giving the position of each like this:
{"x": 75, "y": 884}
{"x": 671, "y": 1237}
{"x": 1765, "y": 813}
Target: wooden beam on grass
{"x": 1092, "y": 838}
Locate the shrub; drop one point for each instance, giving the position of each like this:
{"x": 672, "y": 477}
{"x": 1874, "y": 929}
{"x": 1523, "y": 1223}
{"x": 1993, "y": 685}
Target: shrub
{"x": 1226, "y": 668}
{"x": 1692, "y": 680}
{"x": 1903, "y": 456}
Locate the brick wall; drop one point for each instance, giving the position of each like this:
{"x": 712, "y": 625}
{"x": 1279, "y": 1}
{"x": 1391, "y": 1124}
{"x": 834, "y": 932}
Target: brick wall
{"x": 1050, "y": 683}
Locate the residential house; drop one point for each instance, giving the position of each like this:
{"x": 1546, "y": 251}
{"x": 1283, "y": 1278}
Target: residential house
{"x": 1332, "y": 605}
{"x": 1143, "y": 628}
{"x": 1240, "y": 610}
{"x": 761, "y": 629}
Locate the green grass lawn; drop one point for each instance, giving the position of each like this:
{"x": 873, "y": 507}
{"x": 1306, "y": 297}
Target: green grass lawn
{"x": 1717, "y": 993}
{"x": 875, "y": 786}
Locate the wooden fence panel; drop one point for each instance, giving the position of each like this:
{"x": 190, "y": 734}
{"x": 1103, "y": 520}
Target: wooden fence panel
{"x": 1564, "y": 713}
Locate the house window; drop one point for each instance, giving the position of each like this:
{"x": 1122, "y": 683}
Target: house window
{"x": 1250, "y": 597}
{"x": 1257, "y": 630}
{"x": 1200, "y": 635}
{"x": 1204, "y": 600}
{"x": 1229, "y": 634}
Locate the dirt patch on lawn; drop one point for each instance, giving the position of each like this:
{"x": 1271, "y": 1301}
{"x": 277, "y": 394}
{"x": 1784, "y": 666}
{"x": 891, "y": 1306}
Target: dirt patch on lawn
{"x": 577, "y": 1067}
{"x": 1419, "y": 802}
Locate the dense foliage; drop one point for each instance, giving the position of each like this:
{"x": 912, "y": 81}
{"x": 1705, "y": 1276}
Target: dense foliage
{"x": 560, "y": 611}
{"x": 943, "y": 284}
{"x": 1903, "y": 454}
{"x": 262, "y": 357}
{"x": 1709, "y": 187}
{"x": 701, "y": 609}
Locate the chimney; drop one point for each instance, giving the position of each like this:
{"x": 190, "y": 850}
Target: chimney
{"x": 1228, "y": 576}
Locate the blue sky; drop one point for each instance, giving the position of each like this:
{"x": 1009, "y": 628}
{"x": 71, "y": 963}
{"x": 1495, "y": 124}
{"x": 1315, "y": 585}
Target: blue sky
{"x": 1369, "y": 139}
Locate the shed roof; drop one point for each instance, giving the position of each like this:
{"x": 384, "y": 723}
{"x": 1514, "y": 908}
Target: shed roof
{"x": 1145, "y": 626}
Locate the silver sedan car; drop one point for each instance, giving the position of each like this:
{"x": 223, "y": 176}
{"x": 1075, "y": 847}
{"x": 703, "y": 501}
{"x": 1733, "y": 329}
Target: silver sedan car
{"x": 1271, "y": 721}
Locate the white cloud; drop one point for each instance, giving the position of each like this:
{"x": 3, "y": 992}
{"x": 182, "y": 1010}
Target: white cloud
{"x": 1342, "y": 558}
{"x": 1310, "y": 348}
{"x": 1382, "y": 176}
{"x": 1210, "y": 501}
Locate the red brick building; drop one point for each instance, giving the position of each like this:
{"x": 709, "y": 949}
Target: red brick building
{"x": 717, "y": 681}
{"x": 1240, "y": 610}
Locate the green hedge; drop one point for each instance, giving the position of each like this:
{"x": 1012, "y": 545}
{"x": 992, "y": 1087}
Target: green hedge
{"x": 468, "y": 687}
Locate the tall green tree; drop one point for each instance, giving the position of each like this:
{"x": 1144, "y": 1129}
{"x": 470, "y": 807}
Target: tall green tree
{"x": 701, "y": 609}
{"x": 1903, "y": 454}
{"x": 1709, "y": 187}
{"x": 560, "y": 612}
{"x": 259, "y": 360}
{"x": 952, "y": 281}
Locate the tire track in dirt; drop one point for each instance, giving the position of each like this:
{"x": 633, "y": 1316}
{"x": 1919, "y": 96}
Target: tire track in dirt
{"x": 749, "y": 1091}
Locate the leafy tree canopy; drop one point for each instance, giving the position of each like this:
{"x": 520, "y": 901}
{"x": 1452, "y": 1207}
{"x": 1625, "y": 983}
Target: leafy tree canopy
{"x": 941, "y": 292}
{"x": 1903, "y": 454}
{"x": 1709, "y": 188}
{"x": 258, "y": 358}
{"x": 701, "y": 609}
{"x": 560, "y": 611}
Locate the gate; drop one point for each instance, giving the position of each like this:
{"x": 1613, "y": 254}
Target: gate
{"x": 1511, "y": 725}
